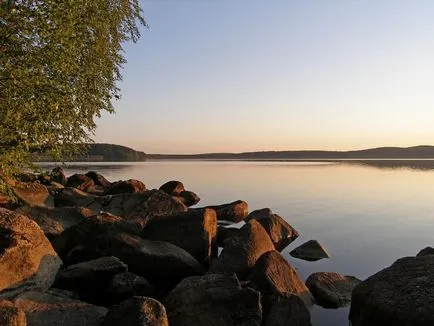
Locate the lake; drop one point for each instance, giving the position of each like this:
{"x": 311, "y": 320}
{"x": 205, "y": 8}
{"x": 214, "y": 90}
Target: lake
{"x": 366, "y": 214}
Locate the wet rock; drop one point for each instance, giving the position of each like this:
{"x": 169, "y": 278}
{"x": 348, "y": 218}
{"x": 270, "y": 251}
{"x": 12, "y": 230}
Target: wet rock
{"x": 127, "y": 284}
{"x": 79, "y": 181}
{"x": 280, "y": 232}
{"x": 310, "y": 251}
{"x": 10, "y": 315}
{"x": 401, "y": 294}
{"x": 213, "y": 300}
{"x": 89, "y": 279}
{"x": 426, "y": 251}
{"x": 47, "y": 309}
{"x": 331, "y": 290}
{"x": 137, "y": 311}
{"x": 126, "y": 186}
{"x": 194, "y": 231}
{"x": 79, "y": 234}
{"x": 243, "y": 250}
{"x": 274, "y": 276}
{"x": 235, "y": 212}
{"x": 27, "y": 259}
{"x": 98, "y": 179}
{"x": 162, "y": 263}
{"x": 54, "y": 221}
{"x": 158, "y": 203}
{"x": 173, "y": 188}
{"x": 189, "y": 198}
{"x": 287, "y": 310}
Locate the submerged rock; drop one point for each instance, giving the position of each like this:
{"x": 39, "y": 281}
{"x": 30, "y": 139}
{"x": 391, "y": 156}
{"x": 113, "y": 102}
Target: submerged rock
{"x": 311, "y": 250}
{"x": 331, "y": 290}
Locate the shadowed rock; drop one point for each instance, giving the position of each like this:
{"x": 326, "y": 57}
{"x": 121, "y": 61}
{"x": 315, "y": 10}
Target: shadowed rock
{"x": 194, "y": 231}
{"x": 331, "y": 290}
{"x": 98, "y": 179}
{"x": 126, "y": 186}
{"x": 137, "y": 311}
{"x": 48, "y": 309}
{"x": 58, "y": 175}
{"x": 224, "y": 234}
{"x": 189, "y": 198}
{"x": 233, "y": 212}
{"x": 287, "y": 311}
{"x": 127, "y": 284}
{"x": 10, "y": 315}
{"x": 173, "y": 188}
{"x": 280, "y": 232}
{"x": 79, "y": 181}
{"x": 399, "y": 295}
{"x": 310, "y": 251}
{"x": 243, "y": 250}
{"x": 27, "y": 259}
{"x": 426, "y": 251}
{"x": 213, "y": 300}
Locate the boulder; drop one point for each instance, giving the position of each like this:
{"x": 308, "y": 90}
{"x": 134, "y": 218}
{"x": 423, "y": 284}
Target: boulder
{"x": 287, "y": 310}
{"x": 127, "y": 284}
{"x": 126, "y": 186}
{"x": 54, "y": 221}
{"x": 213, "y": 300}
{"x": 58, "y": 175}
{"x": 331, "y": 290}
{"x": 274, "y": 276}
{"x": 280, "y": 232}
{"x": 426, "y": 251}
{"x": 189, "y": 198}
{"x": 173, "y": 188}
{"x": 400, "y": 295}
{"x": 137, "y": 311}
{"x": 48, "y": 309}
{"x": 79, "y": 181}
{"x": 162, "y": 263}
{"x": 10, "y": 315}
{"x": 235, "y": 212}
{"x": 90, "y": 279}
{"x": 98, "y": 179}
{"x": 27, "y": 259}
{"x": 158, "y": 203}
{"x": 72, "y": 197}
{"x": 79, "y": 234}
{"x": 32, "y": 194}
{"x": 311, "y": 250}
{"x": 243, "y": 250}
{"x": 225, "y": 233}
{"x": 194, "y": 231}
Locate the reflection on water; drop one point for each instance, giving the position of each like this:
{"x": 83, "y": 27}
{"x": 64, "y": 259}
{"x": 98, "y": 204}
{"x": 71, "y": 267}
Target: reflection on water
{"x": 365, "y": 213}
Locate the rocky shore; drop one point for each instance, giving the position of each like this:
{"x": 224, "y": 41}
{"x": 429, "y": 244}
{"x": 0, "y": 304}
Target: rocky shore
{"x": 81, "y": 250}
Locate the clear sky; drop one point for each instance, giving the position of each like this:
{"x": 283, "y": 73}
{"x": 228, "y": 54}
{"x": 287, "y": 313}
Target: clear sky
{"x": 248, "y": 75}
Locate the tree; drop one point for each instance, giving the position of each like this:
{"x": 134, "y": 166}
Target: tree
{"x": 60, "y": 62}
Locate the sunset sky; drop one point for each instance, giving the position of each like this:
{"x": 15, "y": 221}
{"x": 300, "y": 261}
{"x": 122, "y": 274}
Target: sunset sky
{"x": 248, "y": 75}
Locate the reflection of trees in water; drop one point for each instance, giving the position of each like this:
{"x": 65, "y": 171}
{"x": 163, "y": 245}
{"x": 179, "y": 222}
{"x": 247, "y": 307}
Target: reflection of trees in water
{"x": 423, "y": 165}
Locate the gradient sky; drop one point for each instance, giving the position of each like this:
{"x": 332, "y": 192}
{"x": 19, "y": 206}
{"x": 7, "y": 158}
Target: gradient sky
{"x": 248, "y": 75}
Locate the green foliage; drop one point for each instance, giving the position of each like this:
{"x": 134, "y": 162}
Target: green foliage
{"x": 60, "y": 62}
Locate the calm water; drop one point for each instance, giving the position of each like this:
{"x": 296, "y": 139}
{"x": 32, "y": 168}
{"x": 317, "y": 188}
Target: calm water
{"x": 366, "y": 215}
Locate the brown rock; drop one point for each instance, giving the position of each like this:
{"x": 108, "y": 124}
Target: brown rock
{"x": 33, "y": 194}
{"x": 126, "y": 186}
{"x": 10, "y": 315}
{"x": 280, "y": 232}
{"x": 311, "y": 250}
{"x": 27, "y": 259}
{"x": 137, "y": 311}
{"x": 58, "y": 175}
{"x": 399, "y": 295}
{"x": 233, "y": 212}
{"x": 189, "y": 198}
{"x": 213, "y": 300}
{"x": 331, "y": 290}
{"x": 173, "y": 188}
{"x": 79, "y": 181}
{"x": 98, "y": 179}
{"x": 243, "y": 250}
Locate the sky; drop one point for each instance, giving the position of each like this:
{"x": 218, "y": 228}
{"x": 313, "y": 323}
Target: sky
{"x": 252, "y": 75}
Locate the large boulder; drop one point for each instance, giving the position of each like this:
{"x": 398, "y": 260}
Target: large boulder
{"x": 331, "y": 290}
{"x": 243, "y": 250}
{"x": 54, "y": 221}
{"x": 173, "y": 188}
{"x": 79, "y": 181}
{"x": 235, "y": 212}
{"x": 90, "y": 279}
{"x": 125, "y": 285}
{"x": 311, "y": 250}
{"x": 280, "y": 232}
{"x": 213, "y": 300}
{"x": 158, "y": 203}
{"x": 400, "y": 295}
{"x": 79, "y": 234}
{"x": 274, "y": 276}
{"x": 98, "y": 179}
{"x": 32, "y": 194}
{"x": 126, "y": 186}
{"x": 55, "y": 309}
{"x": 287, "y": 310}
{"x": 137, "y": 311}
{"x": 27, "y": 259}
{"x": 10, "y": 315}
{"x": 160, "y": 262}
{"x": 194, "y": 231}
